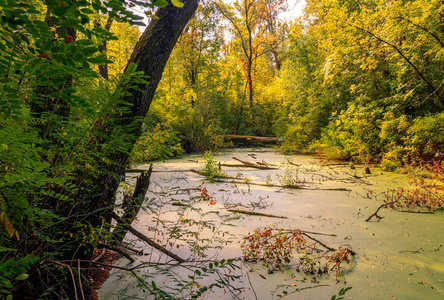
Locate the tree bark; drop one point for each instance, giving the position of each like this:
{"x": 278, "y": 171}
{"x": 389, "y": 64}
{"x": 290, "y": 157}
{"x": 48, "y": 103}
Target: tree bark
{"x": 150, "y": 54}
{"x": 103, "y": 69}
{"x": 132, "y": 206}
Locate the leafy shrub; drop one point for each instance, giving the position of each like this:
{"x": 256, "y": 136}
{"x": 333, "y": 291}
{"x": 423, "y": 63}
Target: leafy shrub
{"x": 391, "y": 161}
{"x": 210, "y": 167}
{"x": 157, "y": 142}
{"x": 198, "y": 134}
{"x": 426, "y": 136}
{"x": 354, "y": 134}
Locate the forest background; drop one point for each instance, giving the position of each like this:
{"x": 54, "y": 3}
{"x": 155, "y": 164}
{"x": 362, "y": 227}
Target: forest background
{"x": 354, "y": 80}
{"x": 358, "y": 80}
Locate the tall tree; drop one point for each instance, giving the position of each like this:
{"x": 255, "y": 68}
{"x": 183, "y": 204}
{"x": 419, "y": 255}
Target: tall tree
{"x": 62, "y": 186}
{"x": 250, "y": 20}
{"x": 150, "y": 55}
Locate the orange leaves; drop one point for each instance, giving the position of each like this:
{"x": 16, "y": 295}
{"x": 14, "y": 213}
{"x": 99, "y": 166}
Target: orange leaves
{"x": 68, "y": 39}
{"x": 204, "y": 193}
{"x": 428, "y": 192}
{"x": 322, "y": 157}
{"x": 206, "y": 197}
{"x": 276, "y": 247}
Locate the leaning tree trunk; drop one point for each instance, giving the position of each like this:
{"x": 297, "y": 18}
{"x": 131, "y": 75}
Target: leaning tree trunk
{"x": 150, "y": 54}
{"x": 95, "y": 193}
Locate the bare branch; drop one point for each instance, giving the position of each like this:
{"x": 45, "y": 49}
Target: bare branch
{"x": 430, "y": 86}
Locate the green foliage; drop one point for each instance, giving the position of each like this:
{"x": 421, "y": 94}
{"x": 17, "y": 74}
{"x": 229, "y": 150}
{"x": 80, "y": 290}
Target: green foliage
{"x": 157, "y": 142}
{"x": 425, "y": 137}
{"x": 210, "y": 167}
{"x": 14, "y": 269}
{"x": 342, "y": 292}
{"x": 60, "y": 128}
{"x": 354, "y": 89}
{"x": 199, "y": 232}
{"x": 354, "y": 134}
{"x": 290, "y": 178}
{"x": 354, "y": 82}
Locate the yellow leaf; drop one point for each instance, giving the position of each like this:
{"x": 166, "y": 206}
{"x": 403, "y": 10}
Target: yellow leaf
{"x": 22, "y": 276}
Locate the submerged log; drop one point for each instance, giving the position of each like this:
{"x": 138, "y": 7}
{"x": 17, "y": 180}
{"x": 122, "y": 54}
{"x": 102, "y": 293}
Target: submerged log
{"x": 253, "y": 213}
{"x": 246, "y": 140}
{"x": 131, "y": 205}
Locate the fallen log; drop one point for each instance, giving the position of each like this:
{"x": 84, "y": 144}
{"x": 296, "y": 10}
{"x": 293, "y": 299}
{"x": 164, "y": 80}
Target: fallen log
{"x": 253, "y": 213}
{"x": 257, "y": 165}
{"x": 246, "y": 140}
{"x": 246, "y": 166}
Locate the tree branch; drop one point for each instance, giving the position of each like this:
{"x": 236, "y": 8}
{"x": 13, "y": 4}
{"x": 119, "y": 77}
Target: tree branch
{"x": 145, "y": 238}
{"x": 430, "y": 86}
{"x": 425, "y": 29}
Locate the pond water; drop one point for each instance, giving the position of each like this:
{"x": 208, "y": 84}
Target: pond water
{"x": 401, "y": 256}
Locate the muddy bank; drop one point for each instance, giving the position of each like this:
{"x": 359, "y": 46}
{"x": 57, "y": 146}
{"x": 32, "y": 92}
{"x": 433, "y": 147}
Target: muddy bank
{"x": 400, "y": 256}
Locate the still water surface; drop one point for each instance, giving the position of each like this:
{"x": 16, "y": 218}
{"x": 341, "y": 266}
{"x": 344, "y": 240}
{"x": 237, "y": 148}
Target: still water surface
{"x": 400, "y": 256}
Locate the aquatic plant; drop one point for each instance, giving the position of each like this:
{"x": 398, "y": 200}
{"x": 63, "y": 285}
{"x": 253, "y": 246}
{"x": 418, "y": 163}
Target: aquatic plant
{"x": 194, "y": 230}
{"x": 290, "y": 178}
{"x": 341, "y": 293}
{"x": 210, "y": 167}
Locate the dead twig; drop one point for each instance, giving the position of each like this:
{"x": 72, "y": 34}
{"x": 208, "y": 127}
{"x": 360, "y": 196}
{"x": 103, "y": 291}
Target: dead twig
{"x": 72, "y": 275}
{"x": 100, "y": 255}
{"x": 318, "y": 241}
{"x": 257, "y": 165}
{"x": 80, "y": 279}
{"x": 118, "y": 250}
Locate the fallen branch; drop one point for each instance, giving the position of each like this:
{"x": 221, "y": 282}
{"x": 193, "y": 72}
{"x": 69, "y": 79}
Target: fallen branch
{"x": 253, "y": 213}
{"x": 262, "y": 166}
{"x": 318, "y": 241}
{"x": 138, "y": 252}
{"x": 375, "y": 214}
{"x": 146, "y": 239}
{"x": 276, "y": 247}
{"x": 178, "y": 203}
{"x": 246, "y": 166}
{"x": 118, "y": 250}
{"x": 251, "y": 140}
{"x": 340, "y": 258}
{"x": 412, "y": 251}
{"x": 280, "y": 186}
{"x": 102, "y": 254}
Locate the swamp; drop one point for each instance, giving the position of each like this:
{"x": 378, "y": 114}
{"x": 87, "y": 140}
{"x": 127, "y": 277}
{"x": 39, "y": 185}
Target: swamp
{"x": 221, "y": 149}
{"x": 399, "y": 256}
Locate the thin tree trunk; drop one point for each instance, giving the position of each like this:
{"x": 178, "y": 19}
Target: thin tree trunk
{"x": 103, "y": 69}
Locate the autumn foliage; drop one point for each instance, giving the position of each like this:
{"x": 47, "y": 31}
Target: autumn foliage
{"x": 276, "y": 248}
{"x": 427, "y": 193}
